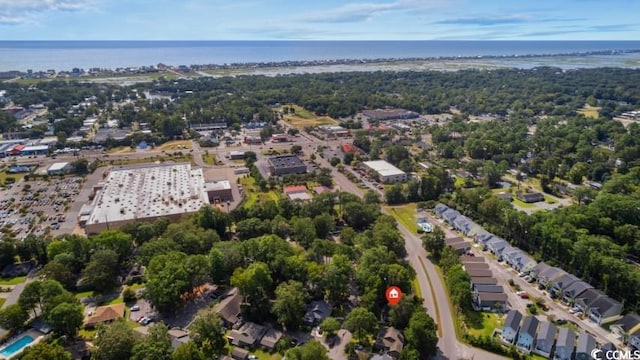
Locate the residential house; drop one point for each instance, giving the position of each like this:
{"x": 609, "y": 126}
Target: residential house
{"x": 511, "y": 326}
{"x": 608, "y": 347}
{"x": 538, "y": 268}
{"x": 105, "y": 314}
{"x": 479, "y": 273}
{"x": 466, "y": 259}
{"x": 496, "y": 245}
{"x": 464, "y": 225}
{"x": 248, "y": 335}
{"x": 178, "y": 337}
{"x": 482, "y": 236}
{"x": 559, "y": 285}
{"x": 483, "y": 281}
{"x": 587, "y": 298}
{"x": 450, "y": 216}
{"x": 461, "y": 247}
{"x": 490, "y": 301}
{"x": 530, "y": 197}
{"x": 229, "y": 306}
{"x": 574, "y": 290}
{"x": 239, "y": 354}
{"x": 316, "y": 312}
{"x": 527, "y": 334}
{"x": 390, "y": 340}
{"x": 548, "y": 276}
{"x": 440, "y": 208}
{"x": 271, "y": 338}
{"x": 605, "y": 310}
{"x": 547, "y": 332}
{"x": 634, "y": 340}
{"x": 586, "y": 344}
{"x": 523, "y": 262}
{"x": 629, "y": 324}
{"x": 478, "y": 288}
{"x": 476, "y": 265}
{"x": 565, "y": 344}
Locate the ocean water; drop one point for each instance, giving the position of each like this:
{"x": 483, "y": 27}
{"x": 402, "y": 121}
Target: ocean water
{"x": 65, "y": 55}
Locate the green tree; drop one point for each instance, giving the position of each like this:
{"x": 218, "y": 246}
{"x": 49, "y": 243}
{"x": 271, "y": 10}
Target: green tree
{"x": 312, "y": 350}
{"x": 255, "y": 285}
{"x": 336, "y": 279}
{"x": 324, "y": 224}
{"x": 167, "y": 281}
{"x": 114, "y": 342}
{"x": 290, "y": 304}
{"x": 303, "y": 231}
{"x": 361, "y": 322}
{"x": 102, "y": 270}
{"x": 330, "y": 326}
{"x": 114, "y": 240}
{"x": 13, "y": 317}
{"x": 434, "y": 243}
{"x": 155, "y": 346}
{"x": 30, "y": 298}
{"x": 65, "y": 319}
{"x": 206, "y": 331}
{"x": 45, "y": 351}
{"x": 188, "y": 351}
{"x": 400, "y": 315}
{"x": 59, "y": 272}
{"x": 394, "y": 194}
{"x": 421, "y": 334}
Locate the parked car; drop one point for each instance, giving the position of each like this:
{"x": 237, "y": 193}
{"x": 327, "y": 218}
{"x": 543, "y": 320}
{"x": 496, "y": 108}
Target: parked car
{"x": 135, "y": 308}
{"x": 524, "y": 296}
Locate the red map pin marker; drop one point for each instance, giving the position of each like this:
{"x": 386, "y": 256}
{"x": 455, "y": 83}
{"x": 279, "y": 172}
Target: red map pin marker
{"x": 394, "y": 294}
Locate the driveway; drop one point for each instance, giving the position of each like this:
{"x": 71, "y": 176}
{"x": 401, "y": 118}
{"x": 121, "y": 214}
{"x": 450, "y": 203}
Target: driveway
{"x": 337, "y": 352}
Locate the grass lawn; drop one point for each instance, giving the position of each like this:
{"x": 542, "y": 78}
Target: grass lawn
{"x": 303, "y": 118}
{"x": 483, "y": 323}
{"x": 209, "y": 159}
{"x": 135, "y": 287}
{"x": 84, "y": 294}
{"x": 263, "y": 355}
{"x": 405, "y": 214}
{"x": 253, "y": 193}
{"x": 549, "y": 199}
{"x": 415, "y": 284}
{"x": 12, "y": 281}
{"x": 2, "y": 300}
{"x": 118, "y": 300}
{"x": 17, "y": 177}
{"x": 121, "y": 150}
{"x": 590, "y": 111}
{"x": 523, "y": 204}
{"x": 176, "y": 145}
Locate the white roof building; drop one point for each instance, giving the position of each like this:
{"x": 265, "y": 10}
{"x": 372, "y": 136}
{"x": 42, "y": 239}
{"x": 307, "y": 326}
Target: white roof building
{"x": 386, "y": 172}
{"x": 147, "y": 192}
{"x": 59, "y": 166}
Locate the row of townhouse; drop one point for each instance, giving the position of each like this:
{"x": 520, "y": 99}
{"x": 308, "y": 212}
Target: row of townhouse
{"x": 545, "y": 339}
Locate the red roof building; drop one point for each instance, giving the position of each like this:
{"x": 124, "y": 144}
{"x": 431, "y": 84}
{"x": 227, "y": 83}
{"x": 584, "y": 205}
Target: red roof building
{"x": 294, "y": 189}
{"x": 349, "y": 148}
{"x": 16, "y": 150}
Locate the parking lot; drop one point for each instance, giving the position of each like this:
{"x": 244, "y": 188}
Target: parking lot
{"x": 38, "y": 207}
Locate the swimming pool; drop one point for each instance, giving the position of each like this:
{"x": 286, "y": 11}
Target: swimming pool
{"x": 16, "y": 346}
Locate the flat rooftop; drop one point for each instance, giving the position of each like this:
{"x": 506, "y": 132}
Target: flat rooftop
{"x": 217, "y": 185}
{"x": 285, "y": 161}
{"x": 149, "y": 191}
{"x": 383, "y": 168}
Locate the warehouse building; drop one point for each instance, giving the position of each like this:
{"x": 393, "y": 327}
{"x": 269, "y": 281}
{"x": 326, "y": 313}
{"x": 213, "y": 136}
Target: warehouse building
{"x": 387, "y": 173}
{"x": 218, "y": 191}
{"x": 60, "y": 168}
{"x": 145, "y": 193}
{"x": 286, "y": 165}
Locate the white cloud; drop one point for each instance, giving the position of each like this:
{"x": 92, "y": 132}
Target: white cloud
{"x": 14, "y": 12}
{"x": 356, "y": 12}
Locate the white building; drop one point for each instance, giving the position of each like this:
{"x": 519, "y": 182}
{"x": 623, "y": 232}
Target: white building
{"x": 60, "y": 168}
{"x": 386, "y": 172}
{"x": 145, "y": 193}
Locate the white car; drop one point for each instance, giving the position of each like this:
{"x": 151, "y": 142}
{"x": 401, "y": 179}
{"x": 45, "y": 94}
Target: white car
{"x": 135, "y": 308}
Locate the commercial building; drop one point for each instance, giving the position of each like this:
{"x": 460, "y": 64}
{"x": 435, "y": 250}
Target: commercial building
{"x": 60, "y": 168}
{"x": 35, "y": 150}
{"x": 145, "y": 193}
{"x": 286, "y": 165}
{"x": 389, "y": 114}
{"x": 236, "y": 155}
{"x": 218, "y": 191}
{"x": 333, "y": 131}
{"x": 386, "y": 172}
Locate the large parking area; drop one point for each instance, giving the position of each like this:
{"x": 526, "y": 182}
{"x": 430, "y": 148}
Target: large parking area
{"x": 38, "y": 207}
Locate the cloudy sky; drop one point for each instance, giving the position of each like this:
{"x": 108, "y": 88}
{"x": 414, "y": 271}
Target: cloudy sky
{"x": 319, "y": 20}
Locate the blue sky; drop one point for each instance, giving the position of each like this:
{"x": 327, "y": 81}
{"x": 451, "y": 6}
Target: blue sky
{"x": 319, "y": 20}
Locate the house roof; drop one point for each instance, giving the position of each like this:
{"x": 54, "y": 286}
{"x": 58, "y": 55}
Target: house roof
{"x": 460, "y": 245}
{"x": 577, "y": 288}
{"x": 564, "y": 281}
{"x": 239, "y": 353}
{"x": 317, "y": 311}
{"x": 547, "y": 332}
{"x": 488, "y": 288}
{"x": 604, "y": 304}
{"x": 476, "y": 265}
{"x": 294, "y": 189}
{"x": 589, "y": 296}
{"x": 483, "y": 280}
{"x": 479, "y": 273}
{"x": 105, "y": 313}
{"x": 271, "y": 338}
{"x": 629, "y": 322}
{"x": 566, "y": 338}
{"x": 586, "y": 343}
{"x": 441, "y": 208}
{"x": 466, "y": 259}
{"x": 483, "y": 235}
{"x": 229, "y": 307}
{"x": 551, "y": 273}
{"x": 530, "y": 326}
{"x": 540, "y": 267}
{"x": 249, "y": 333}
{"x": 391, "y": 338}
{"x": 513, "y": 320}
{"x": 492, "y": 297}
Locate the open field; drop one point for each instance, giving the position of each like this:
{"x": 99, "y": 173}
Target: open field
{"x": 253, "y": 193}
{"x": 121, "y": 150}
{"x": 4, "y": 175}
{"x": 405, "y": 214}
{"x": 303, "y": 118}
{"x": 483, "y": 323}
{"x": 12, "y": 281}
{"x": 176, "y": 145}
{"x": 209, "y": 159}
{"x": 590, "y": 111}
